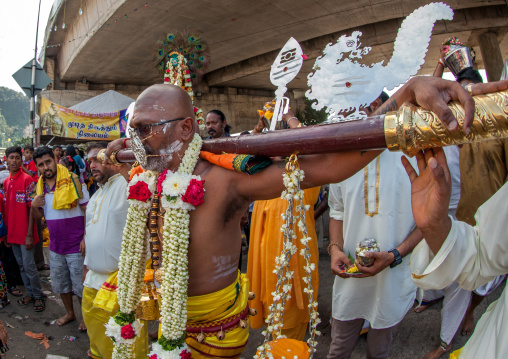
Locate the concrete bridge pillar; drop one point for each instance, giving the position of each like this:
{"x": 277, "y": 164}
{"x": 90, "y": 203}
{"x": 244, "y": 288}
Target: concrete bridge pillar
{"x": 491, "y": 54}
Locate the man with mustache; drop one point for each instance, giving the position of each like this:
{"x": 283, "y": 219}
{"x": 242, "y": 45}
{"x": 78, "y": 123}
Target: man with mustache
{"x": 216, "y": 125}
{"x": 61, "y": 202}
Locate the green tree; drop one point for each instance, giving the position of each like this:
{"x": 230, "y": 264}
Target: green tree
{"x": 21, "y": 142}
{"x": 309, "y": 116}
{"x": 15, "y": 108}
{"x": 6, "y": 132}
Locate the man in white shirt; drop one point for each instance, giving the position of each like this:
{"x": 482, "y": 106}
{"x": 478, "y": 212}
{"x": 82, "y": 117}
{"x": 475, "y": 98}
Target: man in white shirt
{"x": 105, "y": 219}
{"x": 454, "y": 250}
{"x": 373, "y": 203}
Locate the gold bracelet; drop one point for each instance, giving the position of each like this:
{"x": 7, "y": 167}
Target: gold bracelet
{"x": 334, "y": 244}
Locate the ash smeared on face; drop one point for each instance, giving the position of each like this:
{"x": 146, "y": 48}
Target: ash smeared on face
{"x": 158, "y": 108}
{"x": 159, "y": 160}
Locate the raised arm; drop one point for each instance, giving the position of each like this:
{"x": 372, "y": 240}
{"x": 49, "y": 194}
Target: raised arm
{"x": 438, "y": 72}
{"x": 454, "y": 250}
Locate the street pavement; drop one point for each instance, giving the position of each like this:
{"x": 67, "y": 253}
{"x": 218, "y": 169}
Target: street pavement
{"x": 416, "y": 335}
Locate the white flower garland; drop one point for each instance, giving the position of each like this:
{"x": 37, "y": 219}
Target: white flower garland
{"x": 175, "y": 275}
{"x": 132, "y": 265}
{"x": 160, "y": 353}
{"x": 274, "y": 321}
{"x": 176, "y": 240}
{"x": 131, "y": 269}
{"x": 174, "y": 265}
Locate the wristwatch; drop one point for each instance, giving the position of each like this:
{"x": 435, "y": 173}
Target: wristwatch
{"x": 398, "y": 258}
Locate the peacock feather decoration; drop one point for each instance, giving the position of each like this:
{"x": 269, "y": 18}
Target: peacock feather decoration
{"x": 183, "y": 58}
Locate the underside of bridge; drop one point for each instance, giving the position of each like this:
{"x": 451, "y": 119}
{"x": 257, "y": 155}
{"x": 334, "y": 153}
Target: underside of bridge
{"x": 112, "y": 44}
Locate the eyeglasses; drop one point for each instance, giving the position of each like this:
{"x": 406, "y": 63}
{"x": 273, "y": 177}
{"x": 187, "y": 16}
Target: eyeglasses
{"x": 146, "y": 130}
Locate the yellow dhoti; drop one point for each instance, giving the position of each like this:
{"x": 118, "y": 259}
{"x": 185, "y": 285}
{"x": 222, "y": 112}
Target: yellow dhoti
{"x": 97, "y": 307}
{"x": 222, "y": 309}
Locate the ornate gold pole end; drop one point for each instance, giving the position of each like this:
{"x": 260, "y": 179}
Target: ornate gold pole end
{"x": 101, "y": 156}
{"x": 412, "y": 129}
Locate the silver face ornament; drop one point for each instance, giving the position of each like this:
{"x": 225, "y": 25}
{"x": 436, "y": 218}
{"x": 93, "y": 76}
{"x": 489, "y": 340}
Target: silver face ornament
{"x": 137, "y": 147}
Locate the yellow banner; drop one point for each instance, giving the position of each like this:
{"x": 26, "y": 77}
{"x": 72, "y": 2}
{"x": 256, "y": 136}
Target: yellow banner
{"x": 64, "y": 122}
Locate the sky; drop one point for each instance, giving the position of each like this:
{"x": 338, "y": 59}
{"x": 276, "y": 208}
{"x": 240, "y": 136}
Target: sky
{"x": 18, "y": 22}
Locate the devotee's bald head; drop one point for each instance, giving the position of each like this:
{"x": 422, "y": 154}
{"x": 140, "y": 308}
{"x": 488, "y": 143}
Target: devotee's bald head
{"x": 164, "y": 122}
{"x": 170, "y": 100}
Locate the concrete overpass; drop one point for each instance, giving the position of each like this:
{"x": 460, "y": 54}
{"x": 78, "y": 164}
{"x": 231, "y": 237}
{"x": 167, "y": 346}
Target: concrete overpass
{"x": 111, "y": 45}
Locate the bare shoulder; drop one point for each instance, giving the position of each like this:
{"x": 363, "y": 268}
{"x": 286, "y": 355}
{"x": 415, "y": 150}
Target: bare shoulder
{"x": 223, "y": 202}
{"x": 213, "y": 174}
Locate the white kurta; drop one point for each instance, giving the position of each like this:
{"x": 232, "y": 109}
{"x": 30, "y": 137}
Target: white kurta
{"x": 452, "y": 158}
{"x": 384, "y": 299}
{"x": 473, "y": 256}
{"x": 106, "y": 215}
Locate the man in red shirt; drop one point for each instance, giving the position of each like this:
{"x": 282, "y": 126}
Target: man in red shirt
{"x": 21, "y": 229}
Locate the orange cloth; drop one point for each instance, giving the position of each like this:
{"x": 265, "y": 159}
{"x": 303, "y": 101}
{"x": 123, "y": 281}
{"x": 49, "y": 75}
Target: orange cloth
{"x": 237, "y": 162}
{"x": 231, "y": 161}
{"x": 39, "y": 336}
{"x": 289, "y": 348}
{"x": 136, "y": 170}
{"x": 297, "y": 332}
{"x": 266, "y": 244}
{"x": 225, "y": 160}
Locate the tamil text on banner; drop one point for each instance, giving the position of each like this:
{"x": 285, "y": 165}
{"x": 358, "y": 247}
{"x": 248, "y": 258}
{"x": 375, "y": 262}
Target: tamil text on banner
{"x": 64, "y": 122}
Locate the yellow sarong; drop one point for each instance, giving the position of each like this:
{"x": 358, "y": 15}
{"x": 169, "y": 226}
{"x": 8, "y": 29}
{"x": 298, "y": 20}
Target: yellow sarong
{"x": 67, "y": 189}
{"x": 213, "y": 310}
{"x": 97, "y": 307}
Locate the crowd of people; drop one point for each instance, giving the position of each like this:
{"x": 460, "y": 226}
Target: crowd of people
{"x": 64, "y": 210}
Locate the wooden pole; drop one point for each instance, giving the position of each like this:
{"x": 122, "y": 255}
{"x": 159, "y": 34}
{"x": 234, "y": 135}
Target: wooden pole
{"x": 345, "y": 136}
